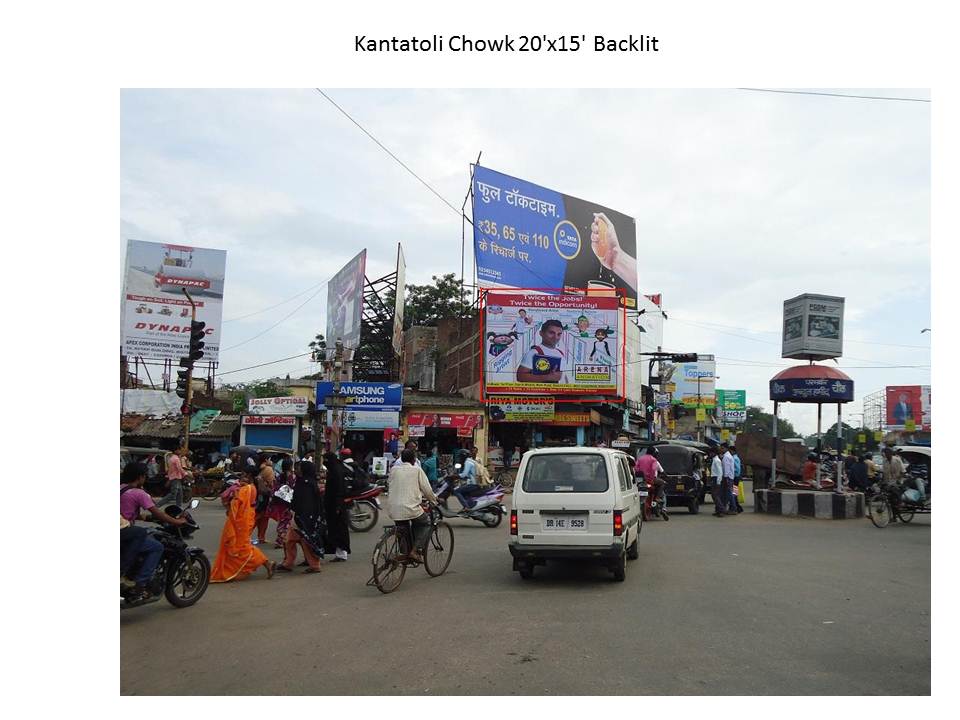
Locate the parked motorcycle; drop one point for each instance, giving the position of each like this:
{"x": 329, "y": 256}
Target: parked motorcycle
{"x": 183, "y": 573}
{"x": 488, "y": 508}
{"x": 364, "y": 508}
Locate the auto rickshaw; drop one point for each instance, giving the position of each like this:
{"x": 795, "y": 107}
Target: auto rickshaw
{"x": 682, "y": 463}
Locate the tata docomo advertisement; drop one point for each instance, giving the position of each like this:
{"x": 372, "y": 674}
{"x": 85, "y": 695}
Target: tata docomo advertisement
{"x": 528, "y": 236}
{"x": 156, "y": 313}
{"x": 551, "y": 344}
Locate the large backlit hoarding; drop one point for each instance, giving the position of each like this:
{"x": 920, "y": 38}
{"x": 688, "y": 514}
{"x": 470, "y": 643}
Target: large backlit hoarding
{"x": 695, "y": 383}
{"x": 527, "y": 236}
{"x": 156, "y": 313}
{"x": 813, "y": 327}
{"x": 908, "y": 402}
{"x": 541, "y": 344}
{"x": 345, "y": 306}
{"x": 400, "y": 298}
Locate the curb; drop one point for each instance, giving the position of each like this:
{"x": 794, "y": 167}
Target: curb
{"x": 812, "y": 504}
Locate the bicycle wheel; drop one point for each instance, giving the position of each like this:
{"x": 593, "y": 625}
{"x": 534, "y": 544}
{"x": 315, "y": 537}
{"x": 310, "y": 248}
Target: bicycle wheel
{"x": 905, "y": 514}
{"x": 879, "y": 511}
{"x": 438, "y": 550}
{"x": 388, "y": 569}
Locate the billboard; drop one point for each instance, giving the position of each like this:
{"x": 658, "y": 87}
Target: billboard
{"x": 521, "y": 408}
{"x": 695, "y": 383}
{"x": 813, "y": 327}
{"x": 156, "y": 313}
{"x": 400, "y": 297}
{"x": 384, "y": 397}
{"x": 731, "y": 405}
{"x": 906, "y": 403}
{"x": 552, "y": 344}
{"x": 527, "y": 236}
{"x": 292, "y": 405}
{"x": 345, "y": 306}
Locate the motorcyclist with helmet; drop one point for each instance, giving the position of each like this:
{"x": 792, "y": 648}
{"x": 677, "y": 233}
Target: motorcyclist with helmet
{"x": 648, "y": 465}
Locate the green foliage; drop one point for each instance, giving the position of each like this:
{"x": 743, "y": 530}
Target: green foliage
{"x": 256, "y": 389}
{"x": 761, "y": 422}
{"x": 850, "y": 434}
{"x": 428, "y": 304}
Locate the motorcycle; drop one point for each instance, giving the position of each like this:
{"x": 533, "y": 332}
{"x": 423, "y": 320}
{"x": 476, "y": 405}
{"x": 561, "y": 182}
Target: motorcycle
{"x": 364, "y": 508}
{"x": 653, "y": 506}
{"x": 488, "y": 508}
{"x": 183, "y": 573}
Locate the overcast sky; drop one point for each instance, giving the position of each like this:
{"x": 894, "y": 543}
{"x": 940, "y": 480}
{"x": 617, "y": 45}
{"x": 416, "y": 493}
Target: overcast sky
{"x": 742, "y": 200}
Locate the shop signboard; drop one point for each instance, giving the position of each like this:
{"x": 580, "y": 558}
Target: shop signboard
{"x": 701, "y": 415}
{"x": 363, "y": 396}
{"x": 569, "y": 419}
{"x": 345, "y": 306}
{"x": 520, "y": 408}
{"x": 813, "y": 327}
{"x": 268, "y": 420}
{"x": 416, "y": 430}
{"x": 695, "y": 383}
{"x": 724, "y": 434}
{"x": 861, "y": 438}
{"x": 156, "y": 314}
{"x": 446, "y": 420}
{"x": 878, "y": 435}
{"x": 527, "y": 236}
{"x": 906, "y": 403}
{"x": 661, "y": 400}
{"x": 552, "y": 344}
{"x": 278, "y": 406}
{"x": 363, "y": 419}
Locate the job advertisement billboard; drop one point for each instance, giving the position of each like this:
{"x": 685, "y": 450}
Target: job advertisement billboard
{"x": 552, "y": 344}
{"x": 528, "y": 236}
{"x": 156, "y": 313}
{"x": 345, "y": 306}
{"x": 813, "y": 327}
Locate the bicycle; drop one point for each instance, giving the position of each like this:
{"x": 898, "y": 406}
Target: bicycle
{"x": 884, "y": 504}
{"x": 506, "y": 478}
{"x": 391, "y": 556}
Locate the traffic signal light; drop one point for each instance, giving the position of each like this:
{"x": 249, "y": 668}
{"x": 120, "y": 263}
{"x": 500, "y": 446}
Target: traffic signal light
{"x": 196, "y": 340}
{"x": 183, "y": 382}
{"x": 684, "y": 358}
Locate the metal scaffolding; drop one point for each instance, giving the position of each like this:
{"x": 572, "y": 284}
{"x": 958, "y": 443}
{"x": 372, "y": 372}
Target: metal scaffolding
{"x": 875, "y": 410}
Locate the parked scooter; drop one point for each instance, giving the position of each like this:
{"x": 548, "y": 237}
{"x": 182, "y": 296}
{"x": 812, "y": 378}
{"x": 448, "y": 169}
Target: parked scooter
{"x": 183, "y": 573}
{"x": 488, "y": 508}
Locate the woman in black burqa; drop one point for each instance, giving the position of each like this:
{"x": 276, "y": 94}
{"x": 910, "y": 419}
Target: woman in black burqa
{"x": 307, "y": 528}
{"x": 338, "y": 526}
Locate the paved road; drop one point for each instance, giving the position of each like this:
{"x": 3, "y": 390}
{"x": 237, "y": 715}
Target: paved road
{"x": 752, "y": 604}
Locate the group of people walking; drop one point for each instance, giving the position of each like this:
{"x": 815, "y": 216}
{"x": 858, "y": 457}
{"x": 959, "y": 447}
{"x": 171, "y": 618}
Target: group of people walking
{"x": 726, "y": 473}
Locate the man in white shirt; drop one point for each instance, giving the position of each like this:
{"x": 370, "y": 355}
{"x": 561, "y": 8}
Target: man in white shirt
{"x": 729, "y": 471}
{"x": 409, "y": 489}
{"x": 522, "y": 324}
{"x": 716, "y": 477}
{"x": 412, "y": 446}
{"x": 545, "y": 363}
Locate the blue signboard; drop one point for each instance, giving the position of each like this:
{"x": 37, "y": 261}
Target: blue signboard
{"x": 530, "y": 237}
{"x": 811, "y": 390}
{"x": 384, "y": 397}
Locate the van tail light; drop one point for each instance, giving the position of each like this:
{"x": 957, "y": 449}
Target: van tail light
{"x": 617, "y": 523}
{"x": 513, "y": 522}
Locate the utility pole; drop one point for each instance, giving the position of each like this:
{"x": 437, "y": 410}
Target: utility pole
{"x": 335, "y": 402}
{"x": 185, "y": 377}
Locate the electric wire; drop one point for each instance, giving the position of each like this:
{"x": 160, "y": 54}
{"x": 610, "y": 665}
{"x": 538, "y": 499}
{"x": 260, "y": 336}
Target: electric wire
{"x": 281, "y": 320}
{"x": 841, "y": 95}
{"x": 282, "y": 302}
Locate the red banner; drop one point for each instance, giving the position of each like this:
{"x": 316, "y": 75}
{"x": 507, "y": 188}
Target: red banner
{"x": 446, "y": 420}
{"x": 269, "y": 420}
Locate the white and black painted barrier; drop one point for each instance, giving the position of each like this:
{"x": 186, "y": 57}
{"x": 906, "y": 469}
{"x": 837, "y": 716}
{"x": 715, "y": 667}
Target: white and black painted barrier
{"x": 809, "y": 503}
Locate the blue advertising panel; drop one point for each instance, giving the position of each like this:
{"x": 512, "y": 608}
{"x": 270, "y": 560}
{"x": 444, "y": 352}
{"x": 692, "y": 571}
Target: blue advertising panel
{"x": 811, "y": 390}
{"x": 528, "y": 236}
{"x": 383, "y": 397}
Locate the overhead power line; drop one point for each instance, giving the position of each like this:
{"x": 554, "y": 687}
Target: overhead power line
{"x": 281, "y": 320}
{"x": 841, "y": 95}
{"x": 387, "y": 151}
{"x": 282, "y": 302}
{"x": 271, "y": 362}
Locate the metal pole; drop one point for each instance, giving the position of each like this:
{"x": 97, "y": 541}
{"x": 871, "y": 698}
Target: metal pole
{"x": 819, "y": 445}
{"x": 773, "y": 461}
{"x": 839, "y": 487}
{"x": 337, "y": 408}
{"x": 189, "y": 399}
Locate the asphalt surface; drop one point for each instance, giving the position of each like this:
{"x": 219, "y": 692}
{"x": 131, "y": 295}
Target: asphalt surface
{"x": 752, "y": 604}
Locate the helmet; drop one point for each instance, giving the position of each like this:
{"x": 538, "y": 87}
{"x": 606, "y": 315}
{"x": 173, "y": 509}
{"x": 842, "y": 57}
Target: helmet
{"x": 654, "y": 452}
{"x": 346, "y": 452}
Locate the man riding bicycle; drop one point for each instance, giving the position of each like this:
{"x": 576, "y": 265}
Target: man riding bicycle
{"x": 409, "y": 489}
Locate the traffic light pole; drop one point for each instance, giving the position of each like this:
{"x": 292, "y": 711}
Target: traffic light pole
{"x": 189, "y": 398}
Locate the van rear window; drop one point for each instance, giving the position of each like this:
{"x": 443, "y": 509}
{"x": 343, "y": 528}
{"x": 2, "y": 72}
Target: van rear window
{"x": 566, "y": 473}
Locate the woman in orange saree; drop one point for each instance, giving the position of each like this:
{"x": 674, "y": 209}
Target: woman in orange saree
{"x": 237, "y": 557}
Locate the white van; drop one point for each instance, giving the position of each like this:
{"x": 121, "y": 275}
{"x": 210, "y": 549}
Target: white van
{"x": 575, "y": 502}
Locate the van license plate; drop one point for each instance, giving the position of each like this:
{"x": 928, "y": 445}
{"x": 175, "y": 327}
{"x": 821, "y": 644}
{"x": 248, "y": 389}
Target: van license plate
{"x": 679, "y": 486}
{"x": 564, "y": 522}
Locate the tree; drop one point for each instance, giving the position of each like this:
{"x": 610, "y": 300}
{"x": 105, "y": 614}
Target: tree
{"x": 428, "y": 304}
{"x": 761, "y": 422}
{"x": 318, "y": 346}
{"x": 849, "y": 436}
{"x": 255, "y": 389}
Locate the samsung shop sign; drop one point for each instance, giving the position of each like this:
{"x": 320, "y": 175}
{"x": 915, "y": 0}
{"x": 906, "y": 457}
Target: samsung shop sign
{"x": 367, "y": 406}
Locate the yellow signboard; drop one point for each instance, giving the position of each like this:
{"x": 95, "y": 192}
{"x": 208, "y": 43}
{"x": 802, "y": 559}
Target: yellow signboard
{"x": 670, "y": 387}
{"x": 910, "y": 425}
{"x": 878, "y": 435}
{"x": 862, "y": 438}
{"x": 724, "y": 434}
{"x": 701, "y": 415}
{"x": 672, "y": 424}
